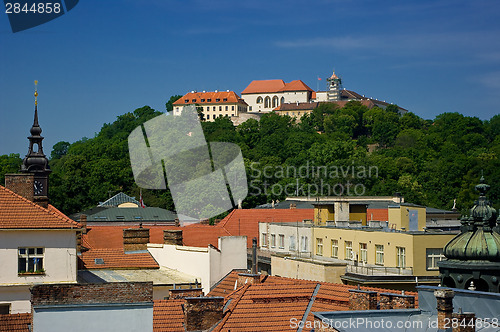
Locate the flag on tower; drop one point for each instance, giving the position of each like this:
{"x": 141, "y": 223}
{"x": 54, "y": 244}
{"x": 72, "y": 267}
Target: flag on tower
{"x": 319, "y": 78}
{"x": 141, "y": 201}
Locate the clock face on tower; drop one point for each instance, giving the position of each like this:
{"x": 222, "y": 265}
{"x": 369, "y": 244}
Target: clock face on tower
{"x": 38, "y": 187}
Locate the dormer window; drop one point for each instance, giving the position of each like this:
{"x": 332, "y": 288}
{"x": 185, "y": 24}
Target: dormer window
{"x": 202, "y": 100}
{"x": 209, "y": 100}
{"x": 194, "y": 100}
{"x": 186, "y": 101}
{"x": 217, "y": 100}
{"x": 225, "y": 99}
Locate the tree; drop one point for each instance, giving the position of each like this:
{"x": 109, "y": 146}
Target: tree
{"x": 59, "y": 150}
{"x": 169, "y": 105}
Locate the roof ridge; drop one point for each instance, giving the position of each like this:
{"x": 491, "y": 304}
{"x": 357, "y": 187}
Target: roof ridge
{"x": 229, "y": 309}
{"x": 33, "y": 204}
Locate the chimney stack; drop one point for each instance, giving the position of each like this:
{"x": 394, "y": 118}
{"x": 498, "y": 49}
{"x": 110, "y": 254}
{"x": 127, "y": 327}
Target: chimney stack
{"x": 444, "y": 298}
{"x": 135, "y": 239}
{"x": 22, "y": 184}
{"x": 201, "y": 313}
{"x": 247, "y": 278}
{"x": 254, "y": 255}
{"x": 362, "y": 300}
{"x": 173, "y": 237}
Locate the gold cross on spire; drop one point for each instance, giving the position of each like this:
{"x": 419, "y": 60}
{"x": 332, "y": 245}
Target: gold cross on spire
{"x": 36, "y": 92}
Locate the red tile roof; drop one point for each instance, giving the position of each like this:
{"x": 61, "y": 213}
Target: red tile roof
{"x": 116, "y": 259}
{"x": 296, "y": 85}
{"x": 270, "y": 305}
{"x": 15, "y": 322}
{"x": 16, "y": 212}
{"x": 202, "y": 98}
{"x": 238, "y": 222}
{"x": 168, "y": 316}
{"x": 270, "y": 86}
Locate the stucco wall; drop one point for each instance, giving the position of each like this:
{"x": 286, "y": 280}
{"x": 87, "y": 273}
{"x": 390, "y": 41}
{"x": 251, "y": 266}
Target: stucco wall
{"x": 301, "y": 269}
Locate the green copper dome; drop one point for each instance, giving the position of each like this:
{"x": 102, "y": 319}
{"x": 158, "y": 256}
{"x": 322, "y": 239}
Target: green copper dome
{"x": 480, "y": 232}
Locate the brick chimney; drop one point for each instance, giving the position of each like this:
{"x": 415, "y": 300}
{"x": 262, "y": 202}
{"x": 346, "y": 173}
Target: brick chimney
{"x": 444, "y": 298}
{"x": 466, "y": 321}
{"x": 247, "y": 278}
{"x": 362, "y": 300}
{"x": 180, "y": 293}
{"x": 22, "y": 184}
{"x": 135, "y": 239}
{"x": 396, "y": 301}
{"x": 172, "y": 236}
{"x": 201, "y": 313}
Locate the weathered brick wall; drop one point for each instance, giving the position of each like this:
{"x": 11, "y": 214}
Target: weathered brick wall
{"x": 362, "y": 300}
{"x": 22, "y": 184}
{"x": 135, "y": 239}
{"x": 396, "y": 301}
{"x": 116, "y": 292}
{"x": 172, "y": 236}
{"x": 444, "y": 298}
{"x": 201, "y": 313}
{"x": 180, "y": 293}
{"x": 465, "y": 322}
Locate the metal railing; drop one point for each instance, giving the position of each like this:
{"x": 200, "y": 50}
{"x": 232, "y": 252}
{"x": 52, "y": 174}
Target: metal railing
{"x": 379, "y": 270}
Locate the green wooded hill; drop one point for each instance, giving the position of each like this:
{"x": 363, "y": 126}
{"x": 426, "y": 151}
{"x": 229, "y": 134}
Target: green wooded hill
{"x": 430, "y": 162}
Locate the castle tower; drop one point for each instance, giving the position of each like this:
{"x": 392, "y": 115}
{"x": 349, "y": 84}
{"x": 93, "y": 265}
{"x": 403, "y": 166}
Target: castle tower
{"x": 36, "y": 162}
{"x": 334, "y": 87}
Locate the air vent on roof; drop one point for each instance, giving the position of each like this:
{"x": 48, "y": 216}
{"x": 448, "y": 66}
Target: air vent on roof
{"x": 216, "y": 91}
{"x": 204, "y": 91}
{"x": 192, "y": 91}
{"x": 138, "y": 217}
{"x": 227, "y": 90}
{"x": 120, "y": 217}
{"x": 99, "y": 261}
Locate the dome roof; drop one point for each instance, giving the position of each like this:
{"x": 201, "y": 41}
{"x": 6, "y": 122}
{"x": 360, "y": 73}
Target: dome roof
{"x": 480, "y": 232}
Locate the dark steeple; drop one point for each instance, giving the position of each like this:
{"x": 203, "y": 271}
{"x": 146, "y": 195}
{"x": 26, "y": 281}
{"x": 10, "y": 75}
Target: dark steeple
{"x": 473, "y": 256}
{"x": 35, "y": 161}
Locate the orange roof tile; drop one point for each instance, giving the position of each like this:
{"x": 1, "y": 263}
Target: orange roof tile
{"x": 270, "y": 305}
{"x": 238, "y": 222}
{"x": 116, "y": 259}
{"x": 263, "y": 86}
{"x": 16, "y": 212}
{"x": 168, "y": 316}
{"x": 203, "y": 98}
{"x": 296, "y": 85}
{"x": 15, "y": 322}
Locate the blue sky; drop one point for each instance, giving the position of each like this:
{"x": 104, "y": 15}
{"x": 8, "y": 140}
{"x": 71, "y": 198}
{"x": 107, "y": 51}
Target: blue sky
{"x": 105, "y": 58}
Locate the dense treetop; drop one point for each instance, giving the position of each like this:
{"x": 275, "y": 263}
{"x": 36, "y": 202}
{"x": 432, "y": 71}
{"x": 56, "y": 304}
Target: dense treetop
{"x": 430, "y": 162}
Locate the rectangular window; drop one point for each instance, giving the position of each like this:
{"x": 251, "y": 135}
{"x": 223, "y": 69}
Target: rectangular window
{"x": 281, "y": 241}
{"x": 225, "y": 99}
{"x": 4, "y": 308}
{"x": 202, "y": 100}
{"x": 30, "y": 260}
{"x": 292, "y": 243}
{"x": 220, "y": 108}
{"x": 208, "y": 116}
{"x": 434, "y": 255}
{"x": 193, "y": 100}
{"x": 363, "y": 252}
{"x": 401, "y": 257}
{"x": 217, "y": 100}
{"x": 273, "y": 240}
{"x": 379, "y": 254}
{"x": 232, "y": 108}
{"x": 335, "y": 248}
{"x": 209, "y": 100}
{"x": 348, "y": 250}
{"x": 303, "y": 244}
{"x": 227, "y": 108}
{"x": 319, "y": 246}
{"x": 263, "y": 240}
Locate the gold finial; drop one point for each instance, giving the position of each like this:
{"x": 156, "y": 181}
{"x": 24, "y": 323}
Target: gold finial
{"x": 36, "y": 92}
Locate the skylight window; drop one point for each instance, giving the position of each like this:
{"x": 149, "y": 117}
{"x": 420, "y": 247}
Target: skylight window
{"x": 99, "y": 261}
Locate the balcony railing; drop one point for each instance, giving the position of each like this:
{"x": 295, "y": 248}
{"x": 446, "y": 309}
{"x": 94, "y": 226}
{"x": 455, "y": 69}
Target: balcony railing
{"x": 379, "y": 270}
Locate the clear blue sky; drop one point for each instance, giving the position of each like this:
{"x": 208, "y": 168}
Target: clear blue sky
{"x": 105, "y": 58}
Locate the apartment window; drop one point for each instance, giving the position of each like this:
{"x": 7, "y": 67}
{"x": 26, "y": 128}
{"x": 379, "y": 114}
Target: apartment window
{"x": 208, "y": 116}
{"x": 273, "y": 240}
{"x": 401, "y": 257}
{"x": 4, "y": 308}
{"x": 379, "y": 254}
{"x": 30, "y": 260}
{"x": 348, "y": 250}
{"x": 363, "y": 252}
{"x": 292, "y": 242}
{"x": 232, "y": 108}
{"x": 319, "y": 246}
{"x": 263, "y": 241}
{"x": 303, "y": 243}
{"x": 434, "y": 255}
{"x": 259, "y": 100}
{"x": 220, "y": 108}
{"x": 227, "y": 108}
{"x": 281, "y": 241}
{"x": 215, "y": 108}
{"x": 249, "y": 108}
{"x": 335, "y": 248}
